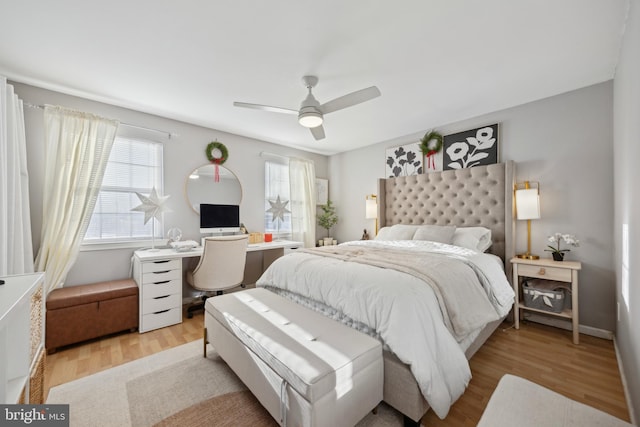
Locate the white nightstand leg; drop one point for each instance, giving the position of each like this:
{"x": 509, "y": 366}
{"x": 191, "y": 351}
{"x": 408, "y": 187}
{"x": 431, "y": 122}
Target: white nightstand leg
{"x": 516, "y": 305}
{"x": 574, "y": 307}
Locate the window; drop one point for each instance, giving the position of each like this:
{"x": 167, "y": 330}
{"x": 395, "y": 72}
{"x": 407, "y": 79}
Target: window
{"x": 276, "y": 178}
{"x": 134, "y": 166}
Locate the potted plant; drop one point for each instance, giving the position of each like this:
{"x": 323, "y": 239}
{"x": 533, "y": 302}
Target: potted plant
{"x": 556, "y": 238}
{"x": 328, "y": 218}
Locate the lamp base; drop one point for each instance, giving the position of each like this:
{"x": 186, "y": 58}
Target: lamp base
{"x": 527, "y": 256}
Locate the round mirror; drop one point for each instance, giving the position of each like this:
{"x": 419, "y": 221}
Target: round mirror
{"x": 202, "y": 187}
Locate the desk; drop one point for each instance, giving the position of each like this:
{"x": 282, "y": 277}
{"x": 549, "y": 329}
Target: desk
{"x": 158, "y": 275}
{"x": 168, "y": 253}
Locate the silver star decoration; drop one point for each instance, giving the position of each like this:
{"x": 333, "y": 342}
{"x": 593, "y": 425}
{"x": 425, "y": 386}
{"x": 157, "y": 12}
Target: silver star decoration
{"x": 153, "y": 205}
{"x": 278, "y": 209}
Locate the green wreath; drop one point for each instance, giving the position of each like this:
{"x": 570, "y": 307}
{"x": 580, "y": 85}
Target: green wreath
{"x": 426, "y": 139}
{"x": 224, "y": 153}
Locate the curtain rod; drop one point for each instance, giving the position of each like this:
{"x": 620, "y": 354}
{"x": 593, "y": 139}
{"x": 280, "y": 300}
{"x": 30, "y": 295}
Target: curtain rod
{"x": 268, "y": 154}
{"x": 169, "y": 134}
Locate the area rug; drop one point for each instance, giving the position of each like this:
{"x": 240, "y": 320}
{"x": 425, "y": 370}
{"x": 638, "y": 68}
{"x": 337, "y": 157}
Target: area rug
{"x": 176, "y": 387}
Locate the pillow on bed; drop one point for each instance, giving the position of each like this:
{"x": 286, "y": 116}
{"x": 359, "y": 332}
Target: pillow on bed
{"x": 435, "y": 233}
{"x": 478, "y": 238}
{"x": 397, "y": 232}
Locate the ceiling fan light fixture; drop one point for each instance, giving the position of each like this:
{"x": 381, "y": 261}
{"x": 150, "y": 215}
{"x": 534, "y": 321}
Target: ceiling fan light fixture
{"x": 311, "y": 112}
{"x": 310, "y": 119}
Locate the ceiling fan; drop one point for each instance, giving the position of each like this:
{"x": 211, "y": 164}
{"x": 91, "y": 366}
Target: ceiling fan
{"x": 311, "y": 112}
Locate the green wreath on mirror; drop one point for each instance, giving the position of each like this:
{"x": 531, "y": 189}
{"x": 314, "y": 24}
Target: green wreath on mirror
{"x": 427, "y": 147}
{"x": 224, "y": 152}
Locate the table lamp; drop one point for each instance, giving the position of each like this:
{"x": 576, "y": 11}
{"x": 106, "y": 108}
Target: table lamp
{"x": 371, "y": 209}
{"x": 527, "y": 208}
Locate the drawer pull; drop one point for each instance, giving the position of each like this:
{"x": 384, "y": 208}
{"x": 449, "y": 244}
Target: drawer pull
{"x": 161, "y": 262}
{"x": 542, "y": 272}
{"x": 162, "y": 311}
{"x": 161, "y": 272}
{"x": 164, "y": 296}
{"x": 161, "y": 283}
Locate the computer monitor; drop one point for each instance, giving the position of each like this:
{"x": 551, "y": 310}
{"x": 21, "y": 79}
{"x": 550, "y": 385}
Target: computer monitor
{"x": 219, "y": 218}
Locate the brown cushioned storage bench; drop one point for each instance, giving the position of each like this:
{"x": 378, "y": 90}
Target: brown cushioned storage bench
{"x": 79, "y": 313}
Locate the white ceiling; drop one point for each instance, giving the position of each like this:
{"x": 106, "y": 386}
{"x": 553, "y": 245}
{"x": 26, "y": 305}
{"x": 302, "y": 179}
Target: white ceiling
{"x": 435, "y": 61}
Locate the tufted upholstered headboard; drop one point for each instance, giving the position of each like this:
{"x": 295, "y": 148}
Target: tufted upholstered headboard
{"x": 478, "y": 196}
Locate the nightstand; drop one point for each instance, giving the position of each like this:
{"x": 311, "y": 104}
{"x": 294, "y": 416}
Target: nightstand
{"x": 547, "y": 269}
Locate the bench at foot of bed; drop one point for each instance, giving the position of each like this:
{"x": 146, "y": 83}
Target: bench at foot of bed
{"x": 304, "y": 368}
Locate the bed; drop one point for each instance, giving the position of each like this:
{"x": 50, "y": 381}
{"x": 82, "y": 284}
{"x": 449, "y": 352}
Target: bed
{"x": 426, "y": 351}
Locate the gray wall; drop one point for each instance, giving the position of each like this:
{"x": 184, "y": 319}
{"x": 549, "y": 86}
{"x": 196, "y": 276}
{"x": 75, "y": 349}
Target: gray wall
{"x": 565, "y": 143}
{"x": 627, "y": 204}
{"x": 182, "y": 154}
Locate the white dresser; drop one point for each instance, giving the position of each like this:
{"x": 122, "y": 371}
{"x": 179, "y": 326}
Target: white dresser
{"x": 160, "y": 288}
{"x": 22, "y": 338}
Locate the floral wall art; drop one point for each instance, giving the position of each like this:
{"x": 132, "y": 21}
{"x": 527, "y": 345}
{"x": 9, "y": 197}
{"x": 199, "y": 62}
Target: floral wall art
{"x": 403, "y": 161}
{"x": 322, "y": 191}
{"x": 470, "y": 148}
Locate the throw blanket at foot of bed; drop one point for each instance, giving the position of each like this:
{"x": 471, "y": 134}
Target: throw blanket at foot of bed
{"x": 304, "y": 368}
{"x": 459, "y": 291}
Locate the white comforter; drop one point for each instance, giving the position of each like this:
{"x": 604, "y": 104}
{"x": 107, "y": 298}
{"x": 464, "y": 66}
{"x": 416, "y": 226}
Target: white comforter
{"x": 401, "y": 308}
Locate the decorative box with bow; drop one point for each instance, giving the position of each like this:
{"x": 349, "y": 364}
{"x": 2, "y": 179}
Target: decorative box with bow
{"x": 546, "y": 295}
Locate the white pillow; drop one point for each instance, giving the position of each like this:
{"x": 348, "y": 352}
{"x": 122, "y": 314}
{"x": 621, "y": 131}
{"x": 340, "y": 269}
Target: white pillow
{"x": 397, "y": 232}
{"x": 384, "y": 234}
{"x": 478, "y": 238}
{"x": 435, "y": 233}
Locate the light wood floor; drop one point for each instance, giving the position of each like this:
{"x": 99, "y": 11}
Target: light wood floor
{"x": 587, "y": 372}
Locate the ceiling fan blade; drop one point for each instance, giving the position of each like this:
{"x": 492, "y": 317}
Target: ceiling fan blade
{"x": 266, "y": 108}
{"x": 317, "y": 132}
{"x": 350, "y": 99}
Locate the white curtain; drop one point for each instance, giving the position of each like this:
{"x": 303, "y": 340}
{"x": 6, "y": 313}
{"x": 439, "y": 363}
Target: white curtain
{"x": 16, "y": 249}
{"x": 302, "y": 183}
{"x": 77, "y": 147}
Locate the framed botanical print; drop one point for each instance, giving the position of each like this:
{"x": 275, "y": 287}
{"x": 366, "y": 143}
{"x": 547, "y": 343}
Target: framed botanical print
{"x": 470, "y": 148}
{"x": 322, "y": 191}
{"x": 404, "y": 160}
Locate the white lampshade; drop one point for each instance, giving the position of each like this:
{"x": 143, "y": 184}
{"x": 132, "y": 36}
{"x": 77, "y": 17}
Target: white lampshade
{"x": 371, "y": 209}
{"x": 527, "y": 203}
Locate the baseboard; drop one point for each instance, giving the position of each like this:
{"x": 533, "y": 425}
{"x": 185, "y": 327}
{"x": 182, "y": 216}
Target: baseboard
{"x": 625, "y": 387}
{"x": 563, "y": 324}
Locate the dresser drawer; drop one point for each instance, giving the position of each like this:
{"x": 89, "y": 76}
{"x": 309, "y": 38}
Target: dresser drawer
{"x": 161, "y": 265}
{"x": 549, "y": 273}
{"x": 159, "y": 320}
{"x": 157, "y": 304}
{"x": 161, "y": 276}
{"x": 163, "y": 288}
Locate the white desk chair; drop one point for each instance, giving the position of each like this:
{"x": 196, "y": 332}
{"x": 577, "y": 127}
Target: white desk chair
{"x": 221, "y": 266}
